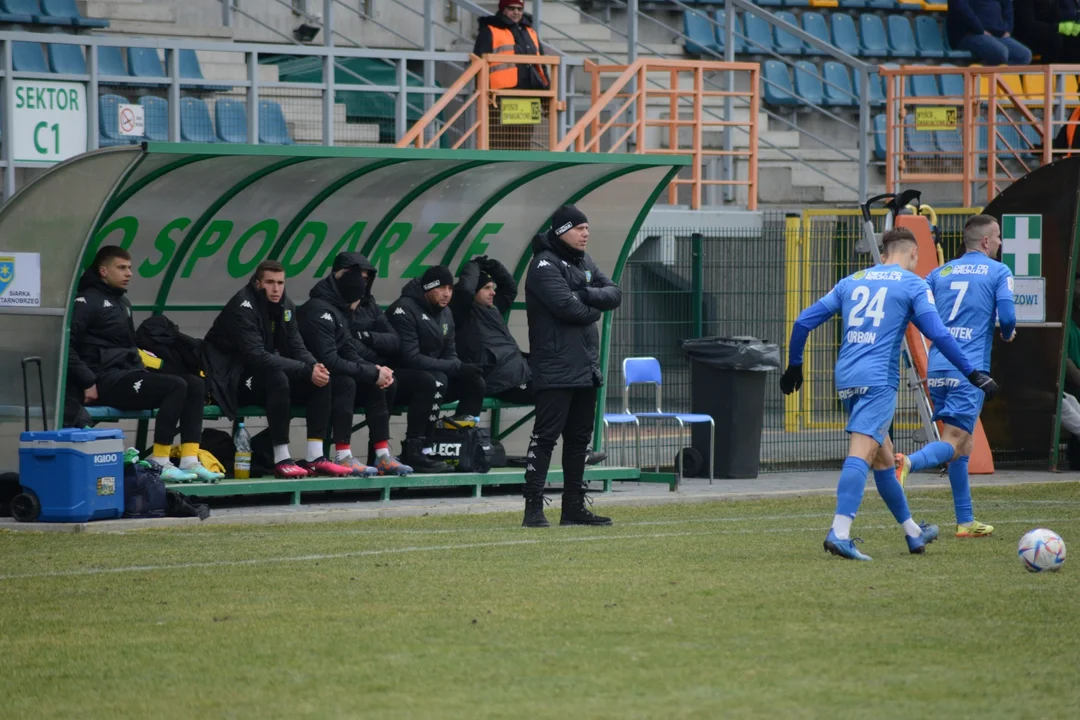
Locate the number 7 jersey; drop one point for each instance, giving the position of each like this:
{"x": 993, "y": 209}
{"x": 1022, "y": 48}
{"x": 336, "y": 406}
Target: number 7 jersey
{"x": 875, "y": 308}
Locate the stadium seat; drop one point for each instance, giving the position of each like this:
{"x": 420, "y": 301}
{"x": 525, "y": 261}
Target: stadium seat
{"x": 922, "y": 86}
{"x": 66, "y": 10}
{"x": 769, "y": 3}
{"x": 111, "y": 62}
{"x": 918, "y": 141}
{"x": 901, "y": 38}
{"x": 721, "y": 35}
{"x": 797, "y": 3}
{"x": 949, "y": 141}
{"x": 872, "y": 36}
{"x": 808, "y": 86}
{"x": 928, "y": 38}
{"x": 758, "y": 35}
{"x": 109, "y": 123}
{"x": 951, "y": 85}
{"x": 66, "y": 59}
{"x": 144, "y": 62}
{"x": 954, "y": 54}
{"x": 30, "y": 8}
{"x": 879, "y": 137}
{"x": 230, "y": 118}
{"x": 9, "y": 16}
{"x": 877, "y": 88}
{"x": 156, "y": 118}
{"x": 273, "y": 130}
{"x": 814, "y": 24}
{"x": 844, "y": 35}
{"x": 852, "y": 4}
{"x": 777, "y": 82}
{"x": 881, "y": 4}
{"x": 837, "y": 87}
{"x": 28, "y": 57}
{"x": 700, "y": 34}
{"x": 195, "y": 123}
{"x": 784, "y": 42}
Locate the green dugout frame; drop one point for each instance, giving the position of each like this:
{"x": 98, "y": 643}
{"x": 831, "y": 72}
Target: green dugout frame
{"x": 197, "y": 219}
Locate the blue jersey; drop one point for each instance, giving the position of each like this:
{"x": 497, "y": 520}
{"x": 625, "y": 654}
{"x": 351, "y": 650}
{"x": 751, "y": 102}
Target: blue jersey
{"x": 970, "y": 293}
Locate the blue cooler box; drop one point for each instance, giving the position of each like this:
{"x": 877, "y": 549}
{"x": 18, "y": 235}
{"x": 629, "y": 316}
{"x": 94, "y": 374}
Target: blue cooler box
{"x": 77, "y": 475}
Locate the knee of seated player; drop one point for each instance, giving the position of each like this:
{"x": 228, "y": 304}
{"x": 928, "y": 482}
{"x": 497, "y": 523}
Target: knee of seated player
{"x": 343, "y": 385}
{"x": 435, "y": 380}
{"x": 196, "y": 386}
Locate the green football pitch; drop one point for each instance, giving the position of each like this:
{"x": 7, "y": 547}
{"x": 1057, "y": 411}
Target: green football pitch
{"x": 680, "y": 611}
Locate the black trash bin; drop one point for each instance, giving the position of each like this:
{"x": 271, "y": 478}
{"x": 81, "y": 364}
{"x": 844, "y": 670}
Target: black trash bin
{"x": 727, "y": 381}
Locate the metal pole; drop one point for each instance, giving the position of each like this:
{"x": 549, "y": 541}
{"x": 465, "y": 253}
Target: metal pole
{"x": 328, "y": 100}
{"x": 429, "y": 46}
{"x": 864, "y": 130}
{"x": 697, "y": 282}
{"x": 537, "y": 4}
{"x": 328, "y": 23}
{"x": 562, "y": 98}
{"x": 632, "y": 31}
{"x": 92, "y": 118}
{"x": 226, "y": 13}
{"x": 401, "y": 124}
{"x": 253, "y": 98}
{"x": 9, "y": 122}
{"x": 729, "y": 103}
{"x": 173, "y": 57}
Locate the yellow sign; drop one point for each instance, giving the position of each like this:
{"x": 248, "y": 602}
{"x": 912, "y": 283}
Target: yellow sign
{"x": 935, "y": 118}
{"x": 521, "y": 111}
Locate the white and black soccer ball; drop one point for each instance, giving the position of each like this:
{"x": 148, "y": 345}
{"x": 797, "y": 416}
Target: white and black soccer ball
{"x": 1042, "y": 550}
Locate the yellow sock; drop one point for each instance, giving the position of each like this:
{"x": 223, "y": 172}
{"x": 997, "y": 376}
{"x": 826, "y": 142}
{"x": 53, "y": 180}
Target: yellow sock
{"x": 189, "y": 450}
{"x": 161, "y": 451}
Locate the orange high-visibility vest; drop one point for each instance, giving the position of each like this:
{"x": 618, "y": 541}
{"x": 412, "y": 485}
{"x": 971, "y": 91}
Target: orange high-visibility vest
{"x": 505, "y": 75}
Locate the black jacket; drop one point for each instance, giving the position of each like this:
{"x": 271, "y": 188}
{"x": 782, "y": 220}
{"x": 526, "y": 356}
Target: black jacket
{"x": 528, "y": 77}
{"x": 1036, "y": 25}
{"x": 426, "y": 332}
{"x": 251, "y": 332}
{"x": 324, "y": 325}
{"x": 378, "y": 343}
{"x": 564, "y": 295}
{"x": 482, "y": 335}
{"x": 102, "y": 346}
{"x": 179, "y": 353}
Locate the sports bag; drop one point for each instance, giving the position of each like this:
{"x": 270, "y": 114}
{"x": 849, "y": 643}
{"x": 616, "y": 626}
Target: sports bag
{"x": 144, "y": 490}
{"x": 466, "y": 448}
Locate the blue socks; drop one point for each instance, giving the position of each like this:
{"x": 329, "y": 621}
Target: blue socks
{"x": 889, "y": 489}
{"x": 961, "y": 490}
{"x": 933, "y": 455}
{"x": 849, "y": 492}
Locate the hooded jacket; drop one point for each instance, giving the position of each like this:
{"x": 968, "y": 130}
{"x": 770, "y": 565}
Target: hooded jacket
{"x": 483, "y": 338}
{"x": 529, "y": 77}
{"x": 426, "y": 332}
{"x": 324, "y": 326}
{"x": 974, "y": 17}
{"x": 565, "y": 294}
{"x": 378, "y": 342}
{"x": 253, "y": 333}
{"x": 102, "y": 341}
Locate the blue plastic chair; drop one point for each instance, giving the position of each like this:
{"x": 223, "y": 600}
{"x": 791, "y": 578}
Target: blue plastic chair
{"x": 784, "y": 42}
{"x": 155, "y": 118}
{"x": 109, "y": 124}
{"x": 808, "y": 85}
{"x": 778, "y": 89}
{"x": 844, "y": 35}
{"x": 66, "y": 59}
{"x": 797, "y": 3}
{"x": 624, "y": 419}
{"x": 646, "y": 371}
{"x": 918, "y": 141}
{"x": 949, "y": 142}
{"x": 144, "y": 62}
{"x": 273, "y": 130}
{"x": 901, "y": 38}
{"x": 853, "y": 4}
{"x": 881, "y": 4}
{"x": 195, "y": 123}
{"x": 838, "y": 88}
{"x": 7, "y": 15}
{"x": 951, "y": 53}
{"x": 879, "y": 137}
{"x": 111, "y": 62}
{"x": 230, "y": 117}
{"x": 66, "y": 10}
{"x": 759, "y": 37}
{"x": 877, "y": 88}
{"x": 928, "y": 37}
{"x": 951, "y": 85}
{"x": 872, "y": 36}
{"x": 700, "y": 34}
{"x": 814, "y": 24}
{"x": 30, "y": 8}
{"x": 721, "y": 35}
{"x": 28, "y": 57}
{"x": 769, "y": 3}
{"x": 922, "y": 86}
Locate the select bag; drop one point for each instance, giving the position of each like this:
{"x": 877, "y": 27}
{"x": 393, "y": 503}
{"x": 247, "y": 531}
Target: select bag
{"x": 468, "y": 449}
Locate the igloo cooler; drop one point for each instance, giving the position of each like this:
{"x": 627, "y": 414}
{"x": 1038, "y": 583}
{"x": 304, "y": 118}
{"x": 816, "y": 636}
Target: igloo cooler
{"x": 70, "y": 475}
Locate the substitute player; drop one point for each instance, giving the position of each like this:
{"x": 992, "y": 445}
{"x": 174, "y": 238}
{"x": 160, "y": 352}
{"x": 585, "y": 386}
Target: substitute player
{"x": 971, "y": 291}
{"x": 876, "y": 306}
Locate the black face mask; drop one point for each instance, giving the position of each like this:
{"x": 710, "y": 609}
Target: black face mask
{"x": 352, "y": 286}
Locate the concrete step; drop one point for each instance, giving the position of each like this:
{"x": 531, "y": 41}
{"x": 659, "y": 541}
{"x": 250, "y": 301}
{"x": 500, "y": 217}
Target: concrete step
{"x": 236, "y": 71}
{"x": 589, "y": 32}
{"x": 614, "y": 49}
{"x": 160, "y": 29}
{"x": 118, "y": 11}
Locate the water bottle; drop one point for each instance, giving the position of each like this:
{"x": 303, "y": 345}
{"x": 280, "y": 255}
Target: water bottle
{"x": 242, "y": 463}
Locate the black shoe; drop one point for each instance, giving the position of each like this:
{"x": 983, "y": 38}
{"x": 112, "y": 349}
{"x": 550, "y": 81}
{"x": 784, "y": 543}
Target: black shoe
{"x": 574, "y": 511}
{"x": 595, "y": 458}
{"x": 412, "y": 454}
{"x": 534, "y": 512}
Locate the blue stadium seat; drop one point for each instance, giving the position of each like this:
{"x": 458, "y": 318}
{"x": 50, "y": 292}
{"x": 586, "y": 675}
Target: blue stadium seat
{"x": 769, "y": 3}
{"x": 949, "y": 141}
{"x": 879, "y": 137}
{"x": 195, "y": 124}
{"x": 797, "y": 3}
{"x": 778, "y": 88}
{"x": 844, "y": 35}
{"x": 922, "y": 86}
{"x": 877, "y": 89}
{"x": 66, "y": 10}
{"x": 901, "y": 38}
{"x": 230, "y": 118}
{"x": 758, "y": 35}
{"x": 144, "y": 62}
{"x": 918, "y": 141}
{"x": 66, "y": 59}
{"x": 954, "y": 54}
{"x": 28, "y": 57}
{"x": 838, "y": 87}
{"x": 8, "y": 16}
{"x": 814, "y": 24}
{"x": 784, "y": 42}
{"x": 109, "y": 124}
{"x": 853, "y": 4}
{"x": 29, "y": 8}
{"x": 156, "y": 118}
{"x": 273, "y": 130}
{"x": 872, "y": 34}
{"x": 111, "y": 62}
{"x": 928, "y": 37}
{"x": 700, "y": 34}
{"x": 951, "y": 85}
{"x": 881, "y": 4}
{"x": 808, "y": 84}
{"x": 721, "y": 35}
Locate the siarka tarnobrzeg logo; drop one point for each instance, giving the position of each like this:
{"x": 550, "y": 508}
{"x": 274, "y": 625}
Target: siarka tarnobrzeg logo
{"x": 7, "y": 273}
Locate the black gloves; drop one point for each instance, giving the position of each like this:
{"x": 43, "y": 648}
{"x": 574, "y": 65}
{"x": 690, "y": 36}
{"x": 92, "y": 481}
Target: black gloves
{"x": 791, "y": 380}
{"x": 984, "y": 382}
{"x": 468, "y": 371}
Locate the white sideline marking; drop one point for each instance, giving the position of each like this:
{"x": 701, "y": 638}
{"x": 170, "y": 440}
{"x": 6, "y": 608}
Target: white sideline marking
{"x": 443, "y": 548}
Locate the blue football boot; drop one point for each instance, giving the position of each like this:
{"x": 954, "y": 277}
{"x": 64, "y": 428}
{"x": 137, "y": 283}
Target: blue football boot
{"x": 844, "y": 548}
{"x": 917, "y": 545}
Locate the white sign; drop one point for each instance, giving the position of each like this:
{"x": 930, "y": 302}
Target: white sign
{"x": 131, "y": 120}
{"x": 20, "y": 279}
{"x": 1021, "y": 244}
{"x": 1029, "y": 296}
{"x": 50, "y": 121}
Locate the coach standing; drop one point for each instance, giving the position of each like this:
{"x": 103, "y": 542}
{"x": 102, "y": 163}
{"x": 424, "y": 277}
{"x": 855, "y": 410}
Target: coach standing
{"x": 565, "y": 294}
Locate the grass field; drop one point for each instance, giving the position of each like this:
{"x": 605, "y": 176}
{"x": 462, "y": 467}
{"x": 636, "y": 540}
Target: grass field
{"x": 703, "y": 611}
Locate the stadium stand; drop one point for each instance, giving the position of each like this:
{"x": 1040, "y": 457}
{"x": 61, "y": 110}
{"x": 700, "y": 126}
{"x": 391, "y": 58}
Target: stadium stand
{"x": 66, "y": 10}
{"x": 66, "y": 59}
{"x": 195, "y": 123}
{"x": 156, "y": 117}
{"x": 230, "y": 119}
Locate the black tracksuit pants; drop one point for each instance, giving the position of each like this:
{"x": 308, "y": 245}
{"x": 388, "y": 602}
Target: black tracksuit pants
{"x": 273, "y": 390}
{"x": 179, "y": 400}
{"x": 424, "y": 392}
{"x": 568, "y": 412}
{"x": 519, "y": 395}
{"x": 349, "y": 397}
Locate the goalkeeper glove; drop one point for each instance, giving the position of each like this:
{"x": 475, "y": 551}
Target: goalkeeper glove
{"x": 791, "y": 380}
{"x": 985, "y": 383}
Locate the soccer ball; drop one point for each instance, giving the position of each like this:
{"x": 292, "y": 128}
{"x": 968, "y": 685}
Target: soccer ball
{"x": 1042, "y": 549}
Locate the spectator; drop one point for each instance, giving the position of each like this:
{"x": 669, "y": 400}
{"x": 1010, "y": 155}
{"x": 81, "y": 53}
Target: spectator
{"x": 1050, "y": 27}
{"x": 984, "y": 28}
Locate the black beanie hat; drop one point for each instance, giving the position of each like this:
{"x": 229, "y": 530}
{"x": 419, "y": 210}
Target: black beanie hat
{"x": 436, "y": 276}
{"x": 565, "y": 218}
{"x": 483, "y": 280}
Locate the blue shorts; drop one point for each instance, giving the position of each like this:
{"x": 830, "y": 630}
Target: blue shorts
{"x": 956, "y": 401}
{"x": 870, "y": 410}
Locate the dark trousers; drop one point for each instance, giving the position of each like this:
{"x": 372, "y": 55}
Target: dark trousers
{"x": 570, "y": 413}
{"x": 272, "y": 390}
{"x": 519, "y": 395}
{"x": 424, "y": 392}
{"x": 467, "y": 391}
{"x": 179, "y": 400}
{"x": 347, "y": 398}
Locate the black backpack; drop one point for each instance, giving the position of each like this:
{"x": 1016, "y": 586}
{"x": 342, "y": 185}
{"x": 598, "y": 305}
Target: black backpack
{"x": 466, "y": 448}
{"x": 144, "y": 491}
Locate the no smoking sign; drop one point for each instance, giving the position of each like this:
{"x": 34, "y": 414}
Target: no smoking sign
{"x": 131, "y": 120}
